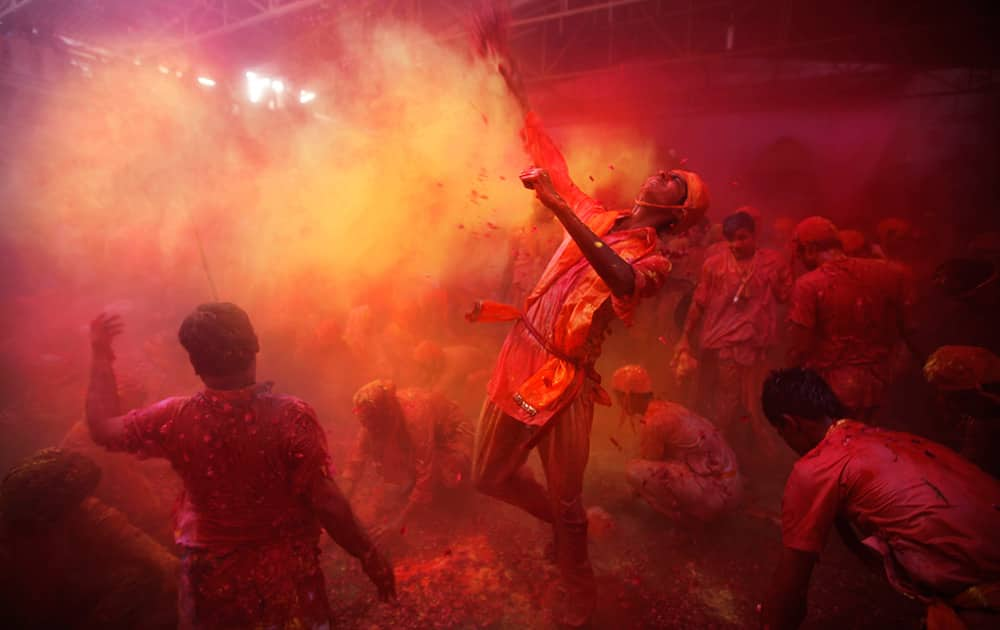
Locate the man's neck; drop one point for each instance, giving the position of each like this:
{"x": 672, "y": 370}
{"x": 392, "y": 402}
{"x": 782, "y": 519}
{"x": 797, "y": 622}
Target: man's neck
{"x": 228, "y": 382}
{"x": 831, "y": 255}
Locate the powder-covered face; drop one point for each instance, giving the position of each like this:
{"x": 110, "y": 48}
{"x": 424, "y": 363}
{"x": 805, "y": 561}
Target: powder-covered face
{"x": 743, "y": 244}
{"x": 661, "y": 190}
{"x": 808, "y": 254}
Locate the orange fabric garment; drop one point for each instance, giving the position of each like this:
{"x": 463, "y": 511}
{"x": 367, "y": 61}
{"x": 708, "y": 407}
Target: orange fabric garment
{"x": 536, "y": 377}
{"x": 530, "y": 250}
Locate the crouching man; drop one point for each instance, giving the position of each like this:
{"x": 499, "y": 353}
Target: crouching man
{"x": 685, "y": 468}
{"x": 415, "y": 438}
{"x": 918, "y": 509}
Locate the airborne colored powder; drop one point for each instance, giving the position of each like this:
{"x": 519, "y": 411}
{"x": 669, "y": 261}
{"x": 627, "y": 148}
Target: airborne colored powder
{"x": 405, "y": 186}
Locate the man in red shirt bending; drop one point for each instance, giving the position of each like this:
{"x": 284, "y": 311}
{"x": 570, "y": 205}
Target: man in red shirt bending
{"x": 913, "y": 507}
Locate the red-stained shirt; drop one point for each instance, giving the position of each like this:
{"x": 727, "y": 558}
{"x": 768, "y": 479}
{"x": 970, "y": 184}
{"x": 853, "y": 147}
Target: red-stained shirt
{"x": 932, "y": 515}
{"x": 672, "y": 432}
{"x": 530, "y": 249}
{"x": 409, "y": 451}
{"x": 745, "y": 328}
{"x": 856, "y": 308}
{"x": 570, "y": 306}
{"x": 247, "y": 458}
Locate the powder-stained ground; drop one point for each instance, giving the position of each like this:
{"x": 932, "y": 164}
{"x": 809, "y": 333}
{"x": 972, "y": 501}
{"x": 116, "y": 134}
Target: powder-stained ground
{"x": 475, "y": 563}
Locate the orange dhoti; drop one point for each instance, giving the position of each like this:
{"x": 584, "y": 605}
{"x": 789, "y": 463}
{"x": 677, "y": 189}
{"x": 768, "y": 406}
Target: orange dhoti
{"x": 502, "y": 446}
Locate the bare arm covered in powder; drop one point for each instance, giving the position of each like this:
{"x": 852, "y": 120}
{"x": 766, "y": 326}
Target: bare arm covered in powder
{"x": 337, "y": 518}
{"x": 104, "y": 417}
{"x": 786, "y": 603}
{"x": 616, "y": 273}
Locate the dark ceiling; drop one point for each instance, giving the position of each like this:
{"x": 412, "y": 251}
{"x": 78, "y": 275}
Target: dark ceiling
{"x": 553, "y": 37}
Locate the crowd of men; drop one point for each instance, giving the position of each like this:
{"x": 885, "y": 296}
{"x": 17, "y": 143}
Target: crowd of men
{"x": 757, "y": 353}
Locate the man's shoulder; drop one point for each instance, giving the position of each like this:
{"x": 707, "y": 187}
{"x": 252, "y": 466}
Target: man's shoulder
{"x": 810, "y": 280}
{"x": 417, "y": 401}
{"x": 660, "y": 409}
{"x": 665, "y": 411}
{"x": 870, "y": 264}
{"x": 168, "y": 404}
{"x": 415, "y": 395}
{"x": 290, "y": 404}
{"x": 830, "y": 454}
{"x": 715, "y": 263}
{"x": 716, "y": 248}
{"x": 875, "y": 267}
{"x": 771, "y": 257}
{"x": 717, "y": 256}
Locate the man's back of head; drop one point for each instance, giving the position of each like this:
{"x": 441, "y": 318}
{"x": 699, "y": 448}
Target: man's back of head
{"x": 219, "y": 339}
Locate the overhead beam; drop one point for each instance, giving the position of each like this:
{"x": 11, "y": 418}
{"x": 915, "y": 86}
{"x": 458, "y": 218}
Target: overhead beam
{"x": 262, "y": 12}
{"x": 565, "y": 13}
{"x": 552, "y": 16}
{"x": 9, "y": 6}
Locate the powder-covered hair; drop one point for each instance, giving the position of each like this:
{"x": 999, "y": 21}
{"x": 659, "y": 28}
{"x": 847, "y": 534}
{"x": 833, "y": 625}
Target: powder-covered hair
{"x": 219, "y": 339}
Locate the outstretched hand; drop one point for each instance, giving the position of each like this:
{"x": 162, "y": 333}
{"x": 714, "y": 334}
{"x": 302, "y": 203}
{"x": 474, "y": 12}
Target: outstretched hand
{"x": 103, "y": 329}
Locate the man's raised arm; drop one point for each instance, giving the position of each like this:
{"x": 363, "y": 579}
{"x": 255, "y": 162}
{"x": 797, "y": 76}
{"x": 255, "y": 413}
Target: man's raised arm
{"x": 104, "y": 417}
{"x": 616, "y": 273}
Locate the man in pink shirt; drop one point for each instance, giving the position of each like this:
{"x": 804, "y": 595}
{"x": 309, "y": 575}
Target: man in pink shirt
{"x": 918, "y": 509}
{"x": 732, "y": 322}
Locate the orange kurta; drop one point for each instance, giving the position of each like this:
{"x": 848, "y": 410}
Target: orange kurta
{"x": 556, "y": 339}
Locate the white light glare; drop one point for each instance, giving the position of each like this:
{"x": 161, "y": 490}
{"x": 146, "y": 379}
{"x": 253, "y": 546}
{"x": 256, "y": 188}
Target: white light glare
{"x": 305, "y": 96}
{"x": 206, "y": 81}
{"x": 277, "y": 86}
{"x": 256, "y": 86}
{"x": 164, "y": 69}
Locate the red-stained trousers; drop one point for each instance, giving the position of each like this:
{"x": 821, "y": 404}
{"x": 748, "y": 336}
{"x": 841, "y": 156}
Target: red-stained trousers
{"x": 502, "y": 446}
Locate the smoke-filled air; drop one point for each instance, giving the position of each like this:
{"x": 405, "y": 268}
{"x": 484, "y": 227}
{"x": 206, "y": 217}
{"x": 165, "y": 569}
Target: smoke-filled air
{"x": 158, "y": 196}
{"x": 499, "y": 314}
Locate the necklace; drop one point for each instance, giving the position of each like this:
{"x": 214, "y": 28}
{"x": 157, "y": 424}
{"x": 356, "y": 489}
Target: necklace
{"x": 745, "y": 277}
